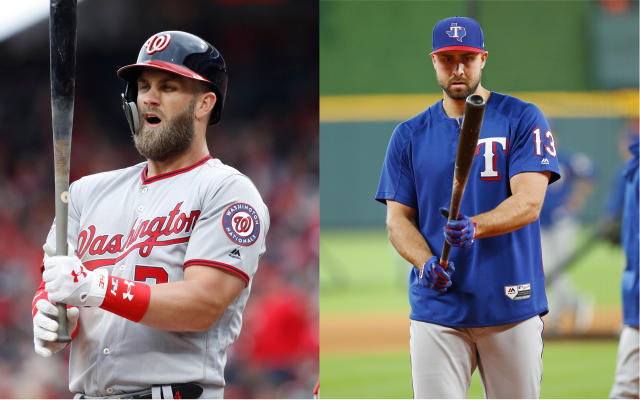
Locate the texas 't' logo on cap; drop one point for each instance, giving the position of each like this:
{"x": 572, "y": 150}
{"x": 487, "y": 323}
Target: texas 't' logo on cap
{"x": 456, "y": 32}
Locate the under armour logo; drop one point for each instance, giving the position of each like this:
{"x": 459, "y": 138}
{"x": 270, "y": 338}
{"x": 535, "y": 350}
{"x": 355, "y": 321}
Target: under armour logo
{"x": 77, "y": 274}
{"x": 128, "y": 294}
{"x": 456, "y": 32}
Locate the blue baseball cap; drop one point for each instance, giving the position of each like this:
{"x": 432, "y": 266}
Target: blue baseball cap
{"x": 457, "y": 33}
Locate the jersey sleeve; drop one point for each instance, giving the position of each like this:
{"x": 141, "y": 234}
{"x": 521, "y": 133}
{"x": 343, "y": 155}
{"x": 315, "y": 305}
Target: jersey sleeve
{"x": 532, "y": 146}
{"x": 231, "y": 230}
{"x": 396, "y": 179}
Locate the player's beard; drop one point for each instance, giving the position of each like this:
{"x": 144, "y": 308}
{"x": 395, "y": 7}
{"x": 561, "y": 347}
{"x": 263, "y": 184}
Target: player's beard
{"x": 461, "y": 93}
{"x": 167, "y": 140}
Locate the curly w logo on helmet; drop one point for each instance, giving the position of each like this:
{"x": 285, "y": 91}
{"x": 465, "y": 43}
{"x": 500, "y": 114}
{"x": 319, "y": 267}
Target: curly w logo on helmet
{"x": 157, "y": 43}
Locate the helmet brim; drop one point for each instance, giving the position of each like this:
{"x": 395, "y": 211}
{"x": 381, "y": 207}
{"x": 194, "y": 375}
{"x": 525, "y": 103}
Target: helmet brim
{"x": 131, "y": 72}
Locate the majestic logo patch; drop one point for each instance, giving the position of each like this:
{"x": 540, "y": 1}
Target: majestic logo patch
{"x": 241, "y": 223}
{"x": 456, "y": 32}
{"x": 235, "y": 253}
{"x": 157, "y": 43}
{"x": 518, "y": 292}
{"x": 545, "y": 161}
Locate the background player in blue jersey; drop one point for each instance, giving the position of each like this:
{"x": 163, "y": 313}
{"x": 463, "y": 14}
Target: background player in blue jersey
{"x": 487, "y": 313}
{"x": 559, "y": 228}
{"x": 627, "y": 379}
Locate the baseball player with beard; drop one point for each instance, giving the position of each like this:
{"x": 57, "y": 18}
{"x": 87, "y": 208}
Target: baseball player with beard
{"x": 165, "y": 250}
{"x": 483, "y": 311}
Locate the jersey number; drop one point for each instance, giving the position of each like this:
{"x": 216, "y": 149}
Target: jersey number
{"x": 551, "y": 148}
{"x": 150, "y": 274}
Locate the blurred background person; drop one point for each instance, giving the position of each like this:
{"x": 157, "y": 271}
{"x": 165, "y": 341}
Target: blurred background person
{"x": 627, "y": 376}
{"x": 560, "y": 226}
{"x": 612, "y": 215}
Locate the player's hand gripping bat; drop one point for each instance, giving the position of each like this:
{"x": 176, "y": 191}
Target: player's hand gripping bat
{"x": 62, "y": 52}
{"x": 467, "y": 143}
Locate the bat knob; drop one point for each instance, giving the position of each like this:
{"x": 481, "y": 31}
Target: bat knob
{"x": 475, "y": 100}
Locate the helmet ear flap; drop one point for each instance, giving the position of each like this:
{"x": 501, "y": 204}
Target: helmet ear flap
{"x": 130, "y": 109}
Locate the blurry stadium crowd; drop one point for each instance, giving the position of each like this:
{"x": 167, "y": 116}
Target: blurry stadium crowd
{"x": 269, "y": 131}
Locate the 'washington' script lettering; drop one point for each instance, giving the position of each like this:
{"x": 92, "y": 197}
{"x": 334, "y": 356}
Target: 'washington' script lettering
{"x": 152, "y": 230}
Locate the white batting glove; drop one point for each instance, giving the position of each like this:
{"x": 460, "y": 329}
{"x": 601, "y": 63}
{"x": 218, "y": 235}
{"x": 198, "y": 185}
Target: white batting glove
{"x": 45, "y": 327}
{"x": 50, "y": 251}
{"x": 69, "y": 282}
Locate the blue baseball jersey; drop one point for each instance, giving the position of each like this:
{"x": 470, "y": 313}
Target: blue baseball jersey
{"x": 630, "y": 240}
{"x": 573, "y": 167}
{"x": 615, "y": 198}
{"x": 500, "y": 279}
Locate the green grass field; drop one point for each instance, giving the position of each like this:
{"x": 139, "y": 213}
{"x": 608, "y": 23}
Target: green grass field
{"x": 360, "y": 274}
{"x": 578, "y": 369}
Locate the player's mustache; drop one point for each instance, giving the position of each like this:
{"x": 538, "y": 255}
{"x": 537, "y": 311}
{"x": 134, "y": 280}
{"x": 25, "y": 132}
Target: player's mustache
{"x": 452, "y": 81}
{"x": 154, "y": 110}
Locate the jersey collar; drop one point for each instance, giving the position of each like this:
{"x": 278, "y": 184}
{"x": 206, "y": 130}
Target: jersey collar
{"x": 146, "y": 181}
{"x": 443, "y": 115}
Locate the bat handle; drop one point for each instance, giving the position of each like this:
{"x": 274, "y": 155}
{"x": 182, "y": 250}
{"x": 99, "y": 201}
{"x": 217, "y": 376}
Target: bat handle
{"x": 444, "y": 258}
{"x": 62, "y": 248}
{"x": 63, "y": 332}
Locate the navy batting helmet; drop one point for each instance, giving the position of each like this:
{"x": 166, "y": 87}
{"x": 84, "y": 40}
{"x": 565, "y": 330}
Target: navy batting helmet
{"x": 180, "y": 53}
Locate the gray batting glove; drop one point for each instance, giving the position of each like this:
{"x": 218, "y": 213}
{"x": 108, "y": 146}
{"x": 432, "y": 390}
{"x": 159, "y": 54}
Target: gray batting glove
{"x": 68, "y": 281}
{"x": 45, "y": 327}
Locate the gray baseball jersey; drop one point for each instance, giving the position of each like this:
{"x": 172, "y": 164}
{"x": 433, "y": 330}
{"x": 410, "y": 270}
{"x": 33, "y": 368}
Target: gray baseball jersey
{"x": 150, "y": 230}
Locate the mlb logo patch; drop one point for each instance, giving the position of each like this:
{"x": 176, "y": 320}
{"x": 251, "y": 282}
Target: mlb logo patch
{"x": 518, "y": 292}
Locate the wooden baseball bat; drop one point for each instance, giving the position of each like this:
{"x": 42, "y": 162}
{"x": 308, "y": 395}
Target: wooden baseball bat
{"x": 467, "y": 143}
{"x": 62, "y": 52}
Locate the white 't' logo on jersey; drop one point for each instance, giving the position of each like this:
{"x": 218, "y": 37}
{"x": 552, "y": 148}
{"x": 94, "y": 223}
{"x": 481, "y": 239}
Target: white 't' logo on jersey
{"x": 490, "y": 153}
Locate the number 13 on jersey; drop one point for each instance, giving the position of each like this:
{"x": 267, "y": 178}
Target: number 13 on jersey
{"x": 549, "y": 148}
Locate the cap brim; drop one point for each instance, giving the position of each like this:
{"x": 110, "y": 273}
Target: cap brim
{"x": 131, "y": 72}
{"x": 459, "y": 48}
